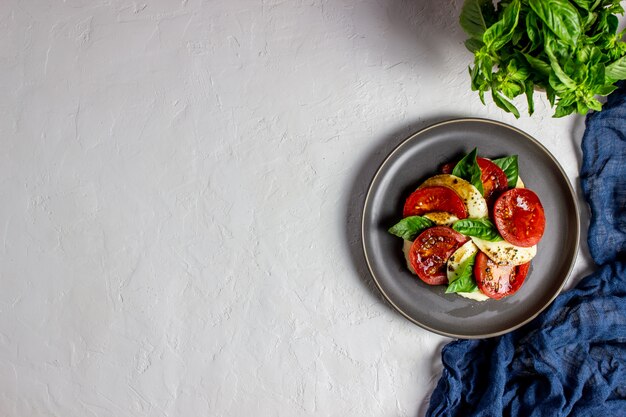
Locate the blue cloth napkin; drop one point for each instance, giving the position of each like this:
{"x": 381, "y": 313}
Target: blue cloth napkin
{"x": 571, "y": 360}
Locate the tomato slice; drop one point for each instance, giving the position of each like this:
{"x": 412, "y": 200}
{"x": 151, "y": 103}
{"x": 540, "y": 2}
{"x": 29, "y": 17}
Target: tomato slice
{"x": 430, "y": 252}
{"x": 493, "y": 178}
{"x": 436, "y": 198}
{"x": 498, "y": 281}
{"x": 519, "y": 217}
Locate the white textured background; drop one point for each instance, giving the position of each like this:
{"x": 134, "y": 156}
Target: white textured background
{"x": 180, "y": 187}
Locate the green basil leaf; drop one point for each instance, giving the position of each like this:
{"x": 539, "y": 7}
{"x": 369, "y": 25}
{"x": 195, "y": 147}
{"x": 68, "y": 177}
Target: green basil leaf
{"x": 517, "y": 70}
{"x": 464, "y": 284}
{"x": 468, "y": 169}
{"x": 555, "y": 48}
{"x": 559, "y": 80}
{"x": 568, "y": 99}
{"x": 583, "y": 54}
{"x": 581, "y": 107}
{"x": 481, "y": 228}
{"x": 542, "y": 67}
{"x": 585, "y": 4}
{"x": 509, "y": 166}
{"x": 501, "y": 32}
{"x": 606, "y": 89}
{"x": 510, "y": 89}
{"x": 474, "y": 76}
{"x": 561, "y": 17}
{"x": 485, "y": 64}
{"x": 476, "y": 17}
{"x": 550, "y": 94}
{"x": 464, "y": 281}
{"x": 591, "y": 103}
{"x": 473, "y": 44}
{"x": 589, "y": 21}
{"x": 563, "y": 110}
{"x": 532, "y": 30}
{"x": 596, "y": 75}
{"x": 616, "y": 8}
{"x": 559, "y": 88}
{"x": 504, "y": 104}
{"x": 518, "y": 35}
{"x": 409, "y": 227}
{"x": 612, "y": 23}
{"x": 530, "y": 90}
{"x": 616, "y": 70}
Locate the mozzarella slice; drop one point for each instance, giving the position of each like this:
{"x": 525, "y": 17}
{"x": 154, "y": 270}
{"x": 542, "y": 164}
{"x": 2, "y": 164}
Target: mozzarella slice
{"x": 476, "y": 296}
{"x": 463, "y": 253}
{"x": 441, "y": 218}
{"x": 474, "y": 201}
{"x": 504, "y": 253}
{"x": 519, "y": 183}
{"x": 405, "y": 248}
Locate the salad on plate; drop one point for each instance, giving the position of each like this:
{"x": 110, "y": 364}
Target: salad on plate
{"x": 473, "y": 227}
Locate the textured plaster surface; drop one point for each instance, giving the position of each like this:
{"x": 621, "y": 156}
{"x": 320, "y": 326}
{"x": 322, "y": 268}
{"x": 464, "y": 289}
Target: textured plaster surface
{"x": 181, "y": 184}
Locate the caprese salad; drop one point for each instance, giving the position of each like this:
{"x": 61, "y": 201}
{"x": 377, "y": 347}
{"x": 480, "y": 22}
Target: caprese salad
{"x": 474, "y": 227}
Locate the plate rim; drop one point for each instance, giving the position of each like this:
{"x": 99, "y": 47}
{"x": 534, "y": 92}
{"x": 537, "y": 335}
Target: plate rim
{"x": 541, "y": 147}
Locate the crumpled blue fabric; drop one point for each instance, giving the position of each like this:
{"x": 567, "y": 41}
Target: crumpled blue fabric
{"x": 570, "y": 360}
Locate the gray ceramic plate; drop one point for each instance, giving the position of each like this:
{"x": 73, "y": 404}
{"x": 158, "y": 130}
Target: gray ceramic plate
{"x": 419, "y": 157}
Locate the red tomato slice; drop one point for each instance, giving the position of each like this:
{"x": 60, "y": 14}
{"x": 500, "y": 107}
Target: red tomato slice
{"x": 498, "y": 281}
{"x": 428, "y": 199}
{"x": 519, "y": 217}
{"x": 494, "y": 180}
{"x": 430, "y": 252}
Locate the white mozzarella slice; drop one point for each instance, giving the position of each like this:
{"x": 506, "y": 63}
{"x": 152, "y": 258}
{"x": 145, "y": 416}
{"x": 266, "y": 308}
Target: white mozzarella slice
{"x": 441, "y": 218}
{"x": 466, "y": 251}
{"x": 463, "y": 253}
{"x": 474, "y": 201}
{"x": 476, "y": 296}
{"x": 504, "y": 253}
{"x": 405, "y": 248}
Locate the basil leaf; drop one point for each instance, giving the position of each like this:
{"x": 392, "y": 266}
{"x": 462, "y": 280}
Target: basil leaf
{"x": 529, "y": 89}
{"x": 559, "y": 80}
{"x": 464, "y": 281}
{"x": 504, "y": 104}
{"x": 501, "y": 32}
{"x": 468, "y": 169}
{"x": 473, "y": 44}
{"x": 476, "y": 17}
{"x": 563, "y": 110}
{"x": 409, "y": 227}
{"x": 616, "y": 70}
{"x": 517, "y": 70}
{"x": 596, "y": 75}
{"x": 481, "y": 228}
{"x": 606, "y": 90}
{"x": 543, "y": 68}
{"x": 612, "y": 23}
{"x": 561, "y": 17}
{"x": 509, "y": 166}
{"x": 585, "y": 4}
{"x": 592, "y": 104}
{"x": 532, "y": 30}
